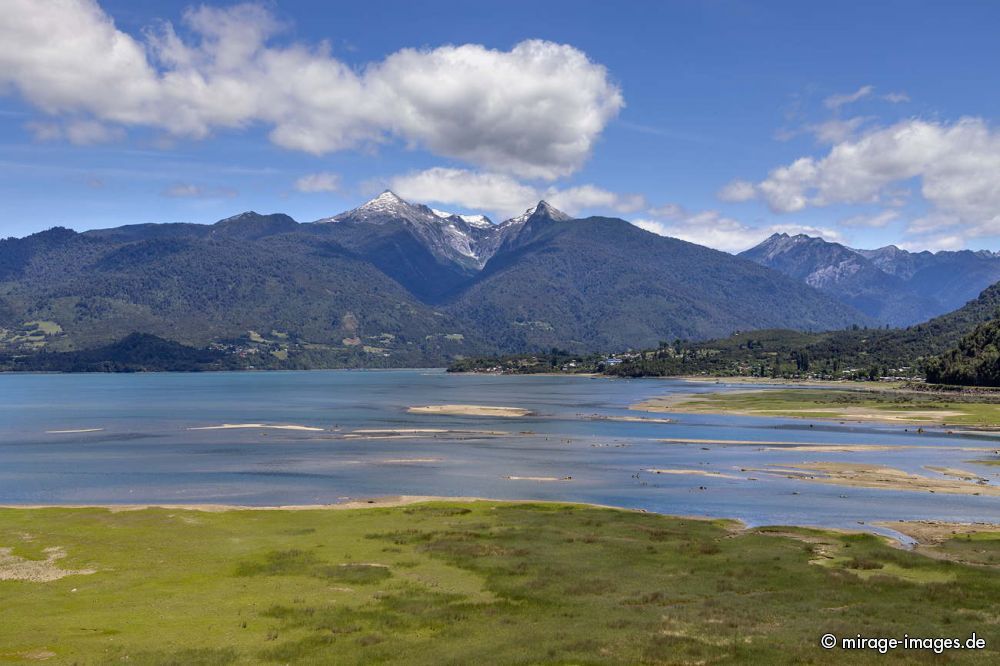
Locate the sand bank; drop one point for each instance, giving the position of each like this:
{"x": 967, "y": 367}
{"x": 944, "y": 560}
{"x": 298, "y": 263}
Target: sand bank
{"x": 629, "y": 419}
{"x": 692, "y": 472}
{"x": 876, "y": 476}
{"x": 470, "y": 410}
{"x": 408, "y": 461}
{"x": 773, "y": 445}
{"x": 962, "y": 474}
{"x": 262, "y": 426}
{"x": 76, "y": 430}
{"x": 931, "y": 532}
{"x": 538, "y": 478}
{"x": 423, "y": 433}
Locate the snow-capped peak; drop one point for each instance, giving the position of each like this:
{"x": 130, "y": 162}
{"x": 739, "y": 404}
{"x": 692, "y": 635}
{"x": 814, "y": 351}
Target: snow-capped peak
{"x": 542, "y": 208}
{"x": 241, "y": 216}
{"x": 386, "y": 201}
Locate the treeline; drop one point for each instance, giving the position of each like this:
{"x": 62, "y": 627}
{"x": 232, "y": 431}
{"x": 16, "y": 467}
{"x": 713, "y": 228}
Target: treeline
{"x": 555, "y": 360}
{"x": 974, "y": 362}
{"x": 852, "y": 354}
{"x": 138, "y": 352}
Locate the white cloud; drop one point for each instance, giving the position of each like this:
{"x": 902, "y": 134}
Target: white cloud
{"x": 588, "y": 197}
{"x": 466, "y": 189}
{"x": 837, "y": 101}
{"x": 78, "y": 132}
{"x": 504, "y": 195}
{"x": 956, "y": 165}
{"x": 873, "y": 221}
{"x": 836, "y": 130}
{"x": 323, "y": 181}
{"x": 713, "y": 229}
{"x": 896, "y": 97}
{"x": 736, "y": 191}
{"x": 192, "y": 191}
{"x": 536, "y": 109}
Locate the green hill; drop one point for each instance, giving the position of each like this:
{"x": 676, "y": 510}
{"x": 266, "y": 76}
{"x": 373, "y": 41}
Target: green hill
{"x": 855, "y": 352}
{"x": 604, "y": 284}
{"x": 974, "y": 362}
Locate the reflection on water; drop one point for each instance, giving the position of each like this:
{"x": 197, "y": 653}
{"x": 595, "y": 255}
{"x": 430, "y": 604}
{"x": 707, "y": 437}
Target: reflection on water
{"x": 141, "y": 448}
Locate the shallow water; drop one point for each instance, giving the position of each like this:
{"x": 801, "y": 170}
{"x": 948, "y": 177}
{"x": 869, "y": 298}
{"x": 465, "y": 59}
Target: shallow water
{"x": 144, "y": 451}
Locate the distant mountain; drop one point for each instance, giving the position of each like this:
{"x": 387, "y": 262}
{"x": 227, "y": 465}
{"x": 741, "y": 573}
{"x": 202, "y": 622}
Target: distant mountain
{"x": 602, "y": 283}
{"x": 853, "y": 353}
{"x": 891, "y": 285}
{"x": 387, "y": 283}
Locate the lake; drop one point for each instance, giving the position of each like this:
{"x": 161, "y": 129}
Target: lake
{"x": 144, "y": 446}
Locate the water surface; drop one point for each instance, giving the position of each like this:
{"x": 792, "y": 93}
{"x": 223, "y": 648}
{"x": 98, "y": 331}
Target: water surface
{"x": 145, "y": 451}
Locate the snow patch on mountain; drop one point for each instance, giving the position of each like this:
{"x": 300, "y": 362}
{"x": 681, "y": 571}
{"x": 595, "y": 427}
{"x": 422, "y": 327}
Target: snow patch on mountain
{"x": 480, "y": 221}
{"x": 543, "y": 209}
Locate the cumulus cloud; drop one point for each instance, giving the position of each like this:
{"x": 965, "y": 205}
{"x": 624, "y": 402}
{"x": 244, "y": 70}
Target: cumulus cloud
{"x": 955, "y": 164}
{"x": 536, "y": 109}
{"x": 503, "y": 194}
{"x": 713, "y": 229}
{"x": 736, "y": 191}
{"x": 837, "y": 130}
{"x": 837, "y": 101}
{"x": 323, "y": 181}
{"x": 589, "y": 197}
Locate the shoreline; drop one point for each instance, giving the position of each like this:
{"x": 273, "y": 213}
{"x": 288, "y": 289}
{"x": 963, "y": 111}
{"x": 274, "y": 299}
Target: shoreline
{"x": 393, "y": 501}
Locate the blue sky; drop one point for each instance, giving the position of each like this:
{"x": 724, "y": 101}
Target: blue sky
{"x": 718, "y": 122}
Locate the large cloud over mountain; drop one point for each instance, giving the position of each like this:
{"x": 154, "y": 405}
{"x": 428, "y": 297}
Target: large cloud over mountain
{"x": 536, "y": 109}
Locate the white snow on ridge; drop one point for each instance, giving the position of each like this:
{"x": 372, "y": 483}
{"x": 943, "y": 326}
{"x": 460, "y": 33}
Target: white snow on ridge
{"x": 480, "y": 221}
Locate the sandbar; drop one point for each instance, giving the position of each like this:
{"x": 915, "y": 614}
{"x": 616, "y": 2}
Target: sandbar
{"x": 630, "y": 419}
{"x": 962, "y": 474}
{"x": 537, "y": 478}
{"x": 692, "y": 472}
{"x": 408, "y": 461}
{"x": 470, "y": 410}
{"x": 932, "y": 532}
{"x": 876, "y": 476}
{"x": 264, "y": 426}
{"x": 76, "y": 430}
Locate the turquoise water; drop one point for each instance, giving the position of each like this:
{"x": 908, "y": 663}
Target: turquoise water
{"x": 145, "y": 451}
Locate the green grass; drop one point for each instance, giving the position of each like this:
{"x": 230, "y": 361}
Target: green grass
{"x": 485, "y": 582}
{"x": 839, "y": 403}
{"x": 980, "y": 548}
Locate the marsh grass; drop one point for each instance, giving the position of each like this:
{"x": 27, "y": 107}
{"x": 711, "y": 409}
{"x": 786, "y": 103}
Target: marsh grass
{"x": 967, "y": 410}
{"x": 447, "y": 583}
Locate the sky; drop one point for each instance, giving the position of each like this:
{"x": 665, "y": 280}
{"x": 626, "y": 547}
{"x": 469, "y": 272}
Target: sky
{"x": 719, "y": 122}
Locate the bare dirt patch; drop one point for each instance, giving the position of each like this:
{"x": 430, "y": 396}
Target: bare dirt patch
{"x": 13, "y": 567}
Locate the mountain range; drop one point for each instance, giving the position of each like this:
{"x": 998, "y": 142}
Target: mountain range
{"x": 389, "y": 283}
{"x": 890, "y": 285}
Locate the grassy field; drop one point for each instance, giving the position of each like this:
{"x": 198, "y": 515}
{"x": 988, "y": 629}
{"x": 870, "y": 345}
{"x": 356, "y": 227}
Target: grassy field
{"x": 885, "y": 405}
{"x": 460, "y": 583}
